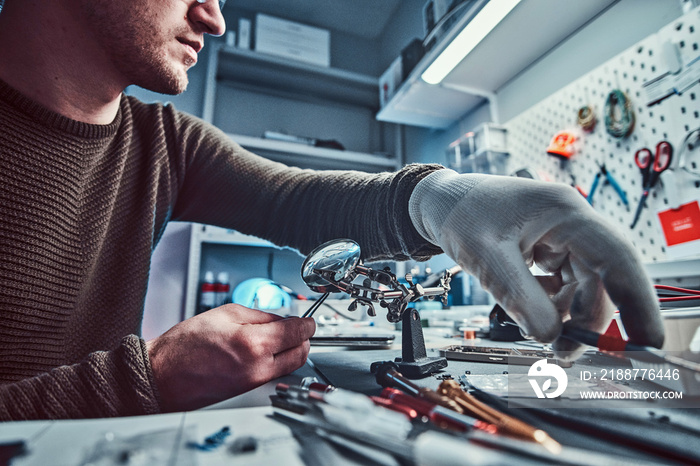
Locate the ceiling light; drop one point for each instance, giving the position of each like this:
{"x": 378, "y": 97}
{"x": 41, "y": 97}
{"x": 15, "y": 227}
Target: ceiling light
{"x": 473, "y": 33}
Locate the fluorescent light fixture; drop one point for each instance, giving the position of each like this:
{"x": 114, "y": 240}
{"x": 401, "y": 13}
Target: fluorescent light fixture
{"x": 473, "y": 33}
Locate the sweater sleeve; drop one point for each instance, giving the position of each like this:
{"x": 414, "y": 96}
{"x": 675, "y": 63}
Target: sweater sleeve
{"x": 228, "y": 186}
{"x": 105, "y": 384}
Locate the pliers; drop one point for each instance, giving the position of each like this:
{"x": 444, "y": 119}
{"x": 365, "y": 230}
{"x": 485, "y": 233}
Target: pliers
{"x": 611, "y": 180}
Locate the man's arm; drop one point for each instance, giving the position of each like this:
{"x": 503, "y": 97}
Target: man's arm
{"x": 106, "y": 384}
{"x": 225, "y": 185}
{"x": 203, "y": 360}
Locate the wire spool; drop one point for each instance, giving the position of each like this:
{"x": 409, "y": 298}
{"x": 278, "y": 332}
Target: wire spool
{"x": 619, "y": 114}
{"x": 586, "y": 118}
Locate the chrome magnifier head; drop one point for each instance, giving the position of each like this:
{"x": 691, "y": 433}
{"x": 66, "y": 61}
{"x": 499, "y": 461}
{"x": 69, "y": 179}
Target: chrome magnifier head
{"x": 333, "y": 267}
{"x": 337, "y": 257}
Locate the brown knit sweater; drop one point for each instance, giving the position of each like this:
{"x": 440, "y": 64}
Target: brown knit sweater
{"x": 83, "y": 206}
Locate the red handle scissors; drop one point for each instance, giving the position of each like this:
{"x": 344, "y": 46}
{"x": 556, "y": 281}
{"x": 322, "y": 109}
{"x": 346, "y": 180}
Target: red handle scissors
{"x": 651, "y": 168}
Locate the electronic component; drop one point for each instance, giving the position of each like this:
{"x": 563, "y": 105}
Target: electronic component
{"x": 495, "y": 355}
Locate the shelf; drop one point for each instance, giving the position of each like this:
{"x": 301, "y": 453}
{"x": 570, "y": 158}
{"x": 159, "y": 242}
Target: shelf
{"x": 316, "y": 157}
{"x": 531, "y": 30}
{"x": 212, "y": 234}
{"x": 671, "y": 270}
{"x": 263, "y": 71}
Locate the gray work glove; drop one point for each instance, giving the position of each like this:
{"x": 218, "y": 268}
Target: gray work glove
{"x": 496, "y": 227}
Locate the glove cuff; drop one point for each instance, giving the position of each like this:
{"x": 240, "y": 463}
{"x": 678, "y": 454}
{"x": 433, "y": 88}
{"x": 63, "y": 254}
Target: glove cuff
{"x": 435, "y": 196}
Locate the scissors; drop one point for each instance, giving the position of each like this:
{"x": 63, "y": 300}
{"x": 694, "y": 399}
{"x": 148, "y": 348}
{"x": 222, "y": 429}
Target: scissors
{"x": 651, "y": 168}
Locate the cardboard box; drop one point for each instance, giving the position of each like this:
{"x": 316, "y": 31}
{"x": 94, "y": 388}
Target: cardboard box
{"x": 292, "y": 40}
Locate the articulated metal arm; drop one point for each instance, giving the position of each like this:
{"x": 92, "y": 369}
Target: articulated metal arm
{"x": 334, "y": 266}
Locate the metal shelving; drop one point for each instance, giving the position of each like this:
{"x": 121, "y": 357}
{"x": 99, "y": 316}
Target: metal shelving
{"x": 316, "y": 157}
{"x": 269, "y": 72}
{"x": 278, "y": 76}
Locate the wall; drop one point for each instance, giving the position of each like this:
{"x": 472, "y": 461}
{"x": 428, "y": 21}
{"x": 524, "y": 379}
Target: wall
{"x": 617, "y": 28}
{"x": 670, "y": 120}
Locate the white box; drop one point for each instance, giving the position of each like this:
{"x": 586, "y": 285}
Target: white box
{"x": 244, "y": 34}
{"x": 230, "y": 38}
{"x": 484, "y": 150}
{"x": 288, "y": 39}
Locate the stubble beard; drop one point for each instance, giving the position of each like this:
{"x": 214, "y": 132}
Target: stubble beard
{"x": 137, "y": 48}
{"x": 162, "y": 77}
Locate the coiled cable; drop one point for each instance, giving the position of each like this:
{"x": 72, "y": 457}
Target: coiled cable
{"x": 619, "y": 114}
{"x": 586, "y": 118}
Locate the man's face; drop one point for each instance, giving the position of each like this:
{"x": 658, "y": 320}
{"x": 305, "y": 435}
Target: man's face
{"x": 152, "y": 43}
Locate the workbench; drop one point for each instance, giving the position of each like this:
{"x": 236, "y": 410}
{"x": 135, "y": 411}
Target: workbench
{"x": 651, "y": 432}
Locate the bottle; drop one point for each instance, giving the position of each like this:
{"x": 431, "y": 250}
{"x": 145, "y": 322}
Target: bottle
{"x": 222, "y": 288}
{"x": 207, "y": 293}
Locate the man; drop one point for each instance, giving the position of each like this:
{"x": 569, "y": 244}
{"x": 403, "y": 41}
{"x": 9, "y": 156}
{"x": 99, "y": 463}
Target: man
{"x": 89, "y": 178}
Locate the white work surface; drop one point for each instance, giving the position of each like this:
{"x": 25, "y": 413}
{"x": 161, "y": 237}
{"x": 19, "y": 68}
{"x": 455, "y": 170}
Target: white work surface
{"x": 258, "y": 438}
{"x": 107, "y": 441}
{"x": 162, "y": 439}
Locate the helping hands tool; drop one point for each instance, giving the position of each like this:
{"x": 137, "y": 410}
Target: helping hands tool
{"x": 651, "y": 168}
{"x": 334, "y": 266}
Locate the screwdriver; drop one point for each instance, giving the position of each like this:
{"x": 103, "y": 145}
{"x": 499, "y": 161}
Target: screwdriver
{"x": 388, "y": 376}
{"x": 504, "y": 423}
{"x": 438, "y": 415}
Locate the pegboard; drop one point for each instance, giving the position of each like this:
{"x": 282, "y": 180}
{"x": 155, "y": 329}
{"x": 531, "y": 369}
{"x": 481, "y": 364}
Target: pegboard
{"x": 530, "y": 133}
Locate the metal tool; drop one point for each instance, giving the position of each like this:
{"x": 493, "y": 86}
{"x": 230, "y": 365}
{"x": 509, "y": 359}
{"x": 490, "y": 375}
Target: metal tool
{"x": 349, "y": 421}
{"x": 690, "y": 142}
{"x": 603, "y": 171}
{"x": 506, "y": 424}
{"x": 450, "y": 395}
{"x": 651, "y": 168}
{"x": 333, "y": 266}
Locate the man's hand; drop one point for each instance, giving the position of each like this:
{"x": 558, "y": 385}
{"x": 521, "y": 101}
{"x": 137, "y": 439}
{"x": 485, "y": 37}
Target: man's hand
{"x": 225, "y": 352}
{"x": 496, "y": 227}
